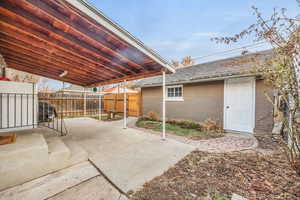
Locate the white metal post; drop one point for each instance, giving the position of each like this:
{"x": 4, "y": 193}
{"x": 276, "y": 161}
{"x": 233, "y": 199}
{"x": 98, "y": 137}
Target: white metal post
{"x": 164, "y": 106}
{"x": 84, "y": 102}
{"x": 125, "y": 105}
{"x": 100, "y": 103}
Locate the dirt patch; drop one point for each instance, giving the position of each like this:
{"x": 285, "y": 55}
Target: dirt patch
{"x": 251, "y": 175}
{"x": 266, "y": 142}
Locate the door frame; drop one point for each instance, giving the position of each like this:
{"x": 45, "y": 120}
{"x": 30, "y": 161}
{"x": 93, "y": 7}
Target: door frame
{"x": 225, "y": 121}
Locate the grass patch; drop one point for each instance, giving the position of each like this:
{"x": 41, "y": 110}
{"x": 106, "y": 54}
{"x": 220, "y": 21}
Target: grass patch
{"x": 175, "y": 129}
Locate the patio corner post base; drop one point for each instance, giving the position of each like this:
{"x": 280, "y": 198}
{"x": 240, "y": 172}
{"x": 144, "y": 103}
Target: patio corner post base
{"x": 125, "y": 105}
{"x": 164, "y": 106}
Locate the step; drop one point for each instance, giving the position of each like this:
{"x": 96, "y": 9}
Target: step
{"x": 78, "y": 154}
{"x": 59, "y": 154}
{"x": 23, "y": 160}
{"x": 51, "y": 184}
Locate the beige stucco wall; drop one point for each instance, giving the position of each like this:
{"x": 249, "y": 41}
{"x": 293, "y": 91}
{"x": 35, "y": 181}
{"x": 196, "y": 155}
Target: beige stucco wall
{"x": 263, "y": 108}
{"x": 205, "y": 101}
{"x": 201, "y": 101}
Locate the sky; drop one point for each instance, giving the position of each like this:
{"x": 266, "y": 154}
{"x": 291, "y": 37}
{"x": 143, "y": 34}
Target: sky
{"x": 178, "y": 28}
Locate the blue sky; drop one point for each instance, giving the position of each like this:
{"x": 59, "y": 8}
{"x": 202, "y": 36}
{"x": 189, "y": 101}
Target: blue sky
{"x": 178, "y": 28}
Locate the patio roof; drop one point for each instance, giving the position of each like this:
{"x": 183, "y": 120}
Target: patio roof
{"x": 51, "y": 38}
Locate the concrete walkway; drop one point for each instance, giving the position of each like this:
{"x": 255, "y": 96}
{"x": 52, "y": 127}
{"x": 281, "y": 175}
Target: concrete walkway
{"x": 127, "y": 157}
{"x": 94, "y": 189}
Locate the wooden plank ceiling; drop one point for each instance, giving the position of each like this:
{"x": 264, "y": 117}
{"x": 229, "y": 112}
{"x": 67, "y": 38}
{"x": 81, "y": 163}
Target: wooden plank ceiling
{"x": 48, "y": 37}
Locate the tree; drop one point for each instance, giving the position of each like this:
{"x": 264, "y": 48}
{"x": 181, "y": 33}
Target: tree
{"x": 281, "y": 70}
{"x": 185, "y": 62}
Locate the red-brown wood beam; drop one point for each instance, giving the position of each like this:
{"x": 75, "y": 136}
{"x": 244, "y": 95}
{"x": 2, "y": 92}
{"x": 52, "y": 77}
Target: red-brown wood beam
{"x": 59, "y": 20}
{"x": 24, "y": 27}
{"x": 21, "y": 59}
{"x": 38, "y": 45}
{"x": 81, "y": 18}
{"x": 128, "y": 78}
{"x": 39, "y": 71}
{"x": 43, "y": 56}
{"x": 46, "y": 61}
{"x": 26, "y": 17}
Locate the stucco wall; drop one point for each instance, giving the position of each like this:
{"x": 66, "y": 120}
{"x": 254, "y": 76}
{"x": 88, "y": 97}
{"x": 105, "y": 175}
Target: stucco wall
{"x": 205, "y": 101}
{"x": 263, "y": 109}
{"x": 201, "y": 101}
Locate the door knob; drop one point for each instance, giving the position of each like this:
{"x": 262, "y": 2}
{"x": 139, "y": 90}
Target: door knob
{"x": 227, "y": 107}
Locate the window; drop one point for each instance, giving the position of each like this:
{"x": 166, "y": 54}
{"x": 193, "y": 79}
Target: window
{"x": 174, "y": 93}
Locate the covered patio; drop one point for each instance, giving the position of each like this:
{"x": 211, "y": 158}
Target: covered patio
{"x": 71, "y": 41}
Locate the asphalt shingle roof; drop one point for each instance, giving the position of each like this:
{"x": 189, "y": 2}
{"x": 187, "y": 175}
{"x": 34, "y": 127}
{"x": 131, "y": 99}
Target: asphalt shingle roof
{"x": 215, "y": 69}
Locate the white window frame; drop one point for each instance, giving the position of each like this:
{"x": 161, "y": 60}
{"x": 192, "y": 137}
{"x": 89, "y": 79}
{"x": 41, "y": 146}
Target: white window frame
{"x": 174, "y": 98}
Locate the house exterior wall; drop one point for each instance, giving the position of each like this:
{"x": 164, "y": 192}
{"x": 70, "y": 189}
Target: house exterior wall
{"x": 206, "y": 101}
{"x": 263, "y": 108}
{"x": 201, "y": 101}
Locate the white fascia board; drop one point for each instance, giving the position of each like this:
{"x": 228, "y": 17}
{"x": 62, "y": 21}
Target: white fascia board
{"x": 198, "y": 80}
{"x": 97, "y": 15}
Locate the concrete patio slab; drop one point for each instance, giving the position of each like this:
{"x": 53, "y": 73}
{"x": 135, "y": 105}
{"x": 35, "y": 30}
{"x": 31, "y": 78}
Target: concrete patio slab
{"x": 51, "y": 184}
{"x": 128, "y": 157}
{"x": 97, "y": 188}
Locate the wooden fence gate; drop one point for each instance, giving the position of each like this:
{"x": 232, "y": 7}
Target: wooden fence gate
{"x": 115, "y": 102}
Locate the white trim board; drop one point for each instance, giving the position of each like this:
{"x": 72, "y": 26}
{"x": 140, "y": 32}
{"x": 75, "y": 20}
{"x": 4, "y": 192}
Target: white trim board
{"x": 226, "y": 112}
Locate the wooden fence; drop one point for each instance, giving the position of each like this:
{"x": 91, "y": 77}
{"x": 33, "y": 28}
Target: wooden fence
{"x": 115, "y": 102}
{"x": 71, "y": 105}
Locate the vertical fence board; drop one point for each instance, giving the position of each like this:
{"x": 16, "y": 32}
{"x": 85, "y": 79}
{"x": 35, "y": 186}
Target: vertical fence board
{"x": 115, "y": 102}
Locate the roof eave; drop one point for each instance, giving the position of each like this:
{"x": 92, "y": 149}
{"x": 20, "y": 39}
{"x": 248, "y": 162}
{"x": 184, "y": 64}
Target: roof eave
{"x": 98, "y": 16}
{"x": 199, "y": 80}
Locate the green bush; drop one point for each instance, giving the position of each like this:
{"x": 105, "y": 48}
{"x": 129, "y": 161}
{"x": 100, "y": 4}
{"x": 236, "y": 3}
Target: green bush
{"x": 173, "y": 121}
{"x": 189, "y": 124}
{"x": 185, "y": 124}
{"x": 144, "y": 119}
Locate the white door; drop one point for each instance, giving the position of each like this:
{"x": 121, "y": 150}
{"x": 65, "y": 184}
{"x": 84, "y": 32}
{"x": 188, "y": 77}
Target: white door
{"x": 239, "y": 104}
